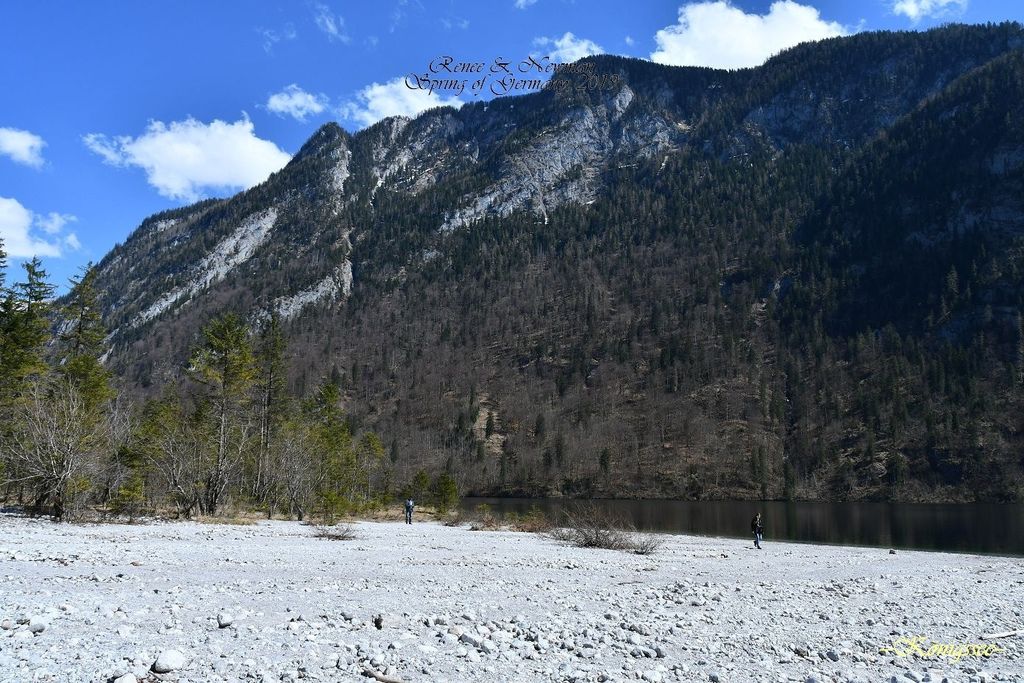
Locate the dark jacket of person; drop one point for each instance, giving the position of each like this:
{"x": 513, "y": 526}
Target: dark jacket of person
{"x": 756, "y": 526}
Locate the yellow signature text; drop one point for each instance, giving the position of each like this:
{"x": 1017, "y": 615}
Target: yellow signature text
{"x": 920, "y": 646}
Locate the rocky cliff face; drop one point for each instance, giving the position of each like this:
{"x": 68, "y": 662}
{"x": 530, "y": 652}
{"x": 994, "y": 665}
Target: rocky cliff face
{"x": 611, "y": 262}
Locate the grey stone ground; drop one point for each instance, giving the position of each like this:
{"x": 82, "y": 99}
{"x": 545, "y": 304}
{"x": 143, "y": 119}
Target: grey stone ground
{"x": 272, "y": 602}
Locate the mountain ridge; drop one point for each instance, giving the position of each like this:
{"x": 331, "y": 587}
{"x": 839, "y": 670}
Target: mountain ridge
{"x": 633, "y": 268}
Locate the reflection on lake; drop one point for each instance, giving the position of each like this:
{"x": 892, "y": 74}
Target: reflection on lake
{"x": 976, "y": 527}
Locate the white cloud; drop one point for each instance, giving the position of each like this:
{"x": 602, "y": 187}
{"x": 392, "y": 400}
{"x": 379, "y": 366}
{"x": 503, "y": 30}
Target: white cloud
{"x": 454, "y": 22}
{"x": 394, "y": 98}
{"x": 105, "y": 147}
{"x": 19, "y": 230}
{"x": 22, "y": 146}
{"x": 183, "y": 159}
{"x": 295, "y": 102}
{"x": 568, "y": 48}
{"x": 719, "y": 35}
{"x": 53, "y": 222}
{"x": 629, "y": 40}
{"x": 272, "y": 37}
{"x": 333, "y": 25}
{"x": 915, "y": 10}
{"x": 400, "y": 12}
{"x": 523, "y": 4}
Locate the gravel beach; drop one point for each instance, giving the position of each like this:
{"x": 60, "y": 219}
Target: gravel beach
{"x": 180, "y": 601}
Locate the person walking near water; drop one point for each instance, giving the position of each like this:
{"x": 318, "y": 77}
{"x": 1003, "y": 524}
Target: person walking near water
{"x": 409, "y": 505}
{"x": 757, "y": 528}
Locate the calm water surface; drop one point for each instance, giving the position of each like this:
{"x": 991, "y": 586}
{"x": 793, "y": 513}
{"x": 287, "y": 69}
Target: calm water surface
{"x": 975, "y": 527}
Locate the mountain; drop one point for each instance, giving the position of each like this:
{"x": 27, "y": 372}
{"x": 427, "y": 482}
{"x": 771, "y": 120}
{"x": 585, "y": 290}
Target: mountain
{"x": 803, "y": 279}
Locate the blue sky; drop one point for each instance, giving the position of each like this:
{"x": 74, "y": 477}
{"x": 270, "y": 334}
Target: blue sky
{"x": 113, "y": 111}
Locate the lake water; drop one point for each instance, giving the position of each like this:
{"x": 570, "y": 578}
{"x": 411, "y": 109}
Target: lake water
{"x": 975, "y": 527}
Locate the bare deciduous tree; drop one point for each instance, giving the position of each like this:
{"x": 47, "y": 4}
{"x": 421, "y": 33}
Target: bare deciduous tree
{"x": 55, "y": 447}
{"x": 295, "y": 472}
{"x": 173, "y": 447}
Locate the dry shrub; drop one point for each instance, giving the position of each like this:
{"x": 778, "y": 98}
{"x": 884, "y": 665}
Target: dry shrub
{"x": 338, "y": 532}
{"x": 483, "y": 519}
{"x": 453, "y": 519}
{"x": 588, "y": 526}
{"x": 646, "y": 544}
{"x": 229, "y": 520}
{"x": 534, "y": 521}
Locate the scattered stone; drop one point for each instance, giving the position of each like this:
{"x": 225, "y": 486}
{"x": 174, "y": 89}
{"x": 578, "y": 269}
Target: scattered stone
{"x": 624, "y": 631}
{"x": 168, "y": 661}
{"x": 471, "y": 639}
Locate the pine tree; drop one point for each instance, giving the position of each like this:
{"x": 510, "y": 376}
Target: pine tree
{"x": 420, "y": 484}
{"x": 82, "y": 343}
{"x": 446, "y": 493}
{"x": 371, "y": 455}
{"x": 333, "y": 441}
{"x": 225, "y": 365}
{"x": 270, "y": 396}
{"x": 24, "y": 315}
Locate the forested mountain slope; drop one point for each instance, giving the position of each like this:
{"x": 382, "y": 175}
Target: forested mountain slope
{"x": 803, "y": 279}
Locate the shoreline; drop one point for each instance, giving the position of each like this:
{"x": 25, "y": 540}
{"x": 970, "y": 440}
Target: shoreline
{"x": 461, "y": 605}
{"x": 937, "y": 527}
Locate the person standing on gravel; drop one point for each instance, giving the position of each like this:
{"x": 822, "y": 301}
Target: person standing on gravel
{"x": 409, "y": 505}
{"x": 757, "y": 529}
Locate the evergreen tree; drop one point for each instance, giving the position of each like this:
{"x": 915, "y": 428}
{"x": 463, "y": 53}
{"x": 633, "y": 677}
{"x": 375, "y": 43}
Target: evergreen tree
{"x": 82, "y": 343}
{"x": 337, "y": 460}
{"x": 606, "y": 461}
{"x": 24, "y": 314}
{"x": 446, "y": 493}
{"x": 270, "y": 396}
{"x": 371, "y": 457}
{"x": 225, "y": 365}
{"x": 420, "y": 484}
